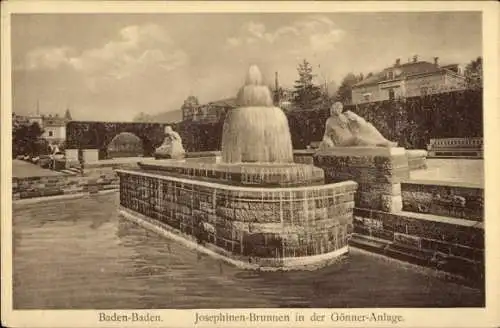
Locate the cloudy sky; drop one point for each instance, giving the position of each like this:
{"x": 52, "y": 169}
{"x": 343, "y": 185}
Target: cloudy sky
{"x": 113, "y": 66}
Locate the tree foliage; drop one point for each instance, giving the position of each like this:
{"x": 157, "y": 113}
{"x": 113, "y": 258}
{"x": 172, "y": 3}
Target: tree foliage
{"x": 306, "y": 94}
{"x": 474, "y": 73}
{"x": 27, "y": 140}
{"x": 344, "y": 93}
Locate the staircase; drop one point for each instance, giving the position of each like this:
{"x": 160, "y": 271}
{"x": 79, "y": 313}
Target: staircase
{"x": 72, "y": 171}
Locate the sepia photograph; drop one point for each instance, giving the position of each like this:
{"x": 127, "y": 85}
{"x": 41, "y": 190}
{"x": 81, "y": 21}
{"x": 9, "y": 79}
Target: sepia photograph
{"x": 251, "y": 160}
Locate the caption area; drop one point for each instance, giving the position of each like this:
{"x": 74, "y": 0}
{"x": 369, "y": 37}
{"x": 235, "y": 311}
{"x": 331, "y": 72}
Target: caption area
{"x": 128, "y": 317}
{"x": 316, "y": 317}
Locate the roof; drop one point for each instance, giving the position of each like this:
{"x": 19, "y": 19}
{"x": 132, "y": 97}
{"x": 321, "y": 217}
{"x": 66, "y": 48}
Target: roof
{"x": 407, "y": 69}
{"x": 229, "y": 102}
{"x": 54, "y": 121}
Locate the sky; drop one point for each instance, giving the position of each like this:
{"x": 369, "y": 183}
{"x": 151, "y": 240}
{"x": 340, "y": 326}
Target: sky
{"x": 110, "y": 67}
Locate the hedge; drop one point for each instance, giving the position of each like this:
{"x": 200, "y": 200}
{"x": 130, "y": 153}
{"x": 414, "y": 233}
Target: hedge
{"x": 411, "y": 122}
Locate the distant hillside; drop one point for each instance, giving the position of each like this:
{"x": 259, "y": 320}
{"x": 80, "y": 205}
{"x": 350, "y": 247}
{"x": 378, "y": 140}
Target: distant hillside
{"x": 164, "y": 117}
{"x": 172, "y": 116}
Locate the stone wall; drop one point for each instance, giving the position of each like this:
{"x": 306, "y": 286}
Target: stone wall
{"x": 94, "y": 179}
{"x": 267, "y": 226}
{"x": 378, "y": 171}
{"x": 451, "y": 245}
{"x": 445, "y": 199}
{"x": 435, "y": 224}
{"x": 31, "y": 187}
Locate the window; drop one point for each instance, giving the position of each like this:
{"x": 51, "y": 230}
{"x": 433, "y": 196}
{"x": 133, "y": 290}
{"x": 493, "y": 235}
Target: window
{"x": 424, "y": 91}
{"x": 51, "y": 133}
{"x": 366, "y": 96}
{"x": 390, "y": 75}
{"x": 391, "y": 94}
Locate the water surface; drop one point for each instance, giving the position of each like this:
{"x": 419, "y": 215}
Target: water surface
{"x": 79, "y": 254}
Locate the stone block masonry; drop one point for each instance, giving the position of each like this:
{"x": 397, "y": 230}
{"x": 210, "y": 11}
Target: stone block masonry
{"x": 378, "y": 171}
{"x": 94, "y": 179}
{"x": 450, "y": 199}
{"x": 32, "y": 187}
{"x": 268, "y": 227}
{"x": 448, "y": 244}
{"x": 441, "y": 226}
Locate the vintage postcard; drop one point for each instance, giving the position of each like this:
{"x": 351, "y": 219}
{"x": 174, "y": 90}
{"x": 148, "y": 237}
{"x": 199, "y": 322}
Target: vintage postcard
{"x": 250, "y": 164}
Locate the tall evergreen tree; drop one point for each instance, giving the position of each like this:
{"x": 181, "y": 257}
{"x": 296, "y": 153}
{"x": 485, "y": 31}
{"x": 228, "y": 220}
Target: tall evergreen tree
{"x": 67, "y": 115}
{"x": 306, "y": 94}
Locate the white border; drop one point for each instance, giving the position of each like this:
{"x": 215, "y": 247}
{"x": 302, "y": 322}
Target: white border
{"x": 463, "y": 317}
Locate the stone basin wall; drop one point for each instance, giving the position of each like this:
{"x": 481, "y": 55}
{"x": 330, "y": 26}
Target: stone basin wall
{"x": 268, "y": 227}
{"x": 459, "y": 200}
{"x": 94, "y": 179}
{"x": 447, "y": 244}
{"x": 430, "y": 223}
{"x": 45, "y": 186}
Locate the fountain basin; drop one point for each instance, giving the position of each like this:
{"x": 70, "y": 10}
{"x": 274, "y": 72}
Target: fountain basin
{"x": 245, "y": 174}
{"x": 269, "y": 228}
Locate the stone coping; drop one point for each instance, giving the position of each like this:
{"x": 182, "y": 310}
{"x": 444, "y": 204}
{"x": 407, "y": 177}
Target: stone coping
{"x": 43, "y": 199}
{"x": 196, "y": 154}
{"x": 444, "y": 183}
{"x": 417, "y": 152}
{"x": 304, "y": 151}
{"x": 250, "y": 174}
{"x": 116, "y": 161}
{"x": 443, "y": 219}
{"x": 369, "y": 213}
{"x": 362, "y": 151}
{"x": 348, "y": 184}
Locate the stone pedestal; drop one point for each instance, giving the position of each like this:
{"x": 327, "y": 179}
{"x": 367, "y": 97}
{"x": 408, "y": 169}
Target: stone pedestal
{"x": 71, "y": 156}
{"x": 417, "y": 159}
{"x": 378, "y": 172}
{"x": 90, "y": 155}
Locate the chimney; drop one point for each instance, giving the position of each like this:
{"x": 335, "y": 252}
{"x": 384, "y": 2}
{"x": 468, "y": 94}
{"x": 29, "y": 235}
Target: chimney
{"x": 398, "y": 62}
{"x": 436, "y": 61}
{"x": 415, "y": 58}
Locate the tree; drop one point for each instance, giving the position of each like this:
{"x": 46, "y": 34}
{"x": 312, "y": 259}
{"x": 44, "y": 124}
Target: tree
{"x": 306, "y": 94}
{"x": 26, "y": 139}
{"x": 191, "y": 102}
{"x": 344, "y": 93}
{"x": 67, "y": 115}
{"x": 189, "y": 107}
{"x": 474, "y": 73}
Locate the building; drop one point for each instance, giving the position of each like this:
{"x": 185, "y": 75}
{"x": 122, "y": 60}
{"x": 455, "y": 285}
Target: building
{"x": 54, "y": 129}
{"x": 415, "y": 78}
{"x": 210, "y": 113}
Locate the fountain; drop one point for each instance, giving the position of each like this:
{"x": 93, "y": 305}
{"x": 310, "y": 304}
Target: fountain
{"x": 252, "y": 206}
